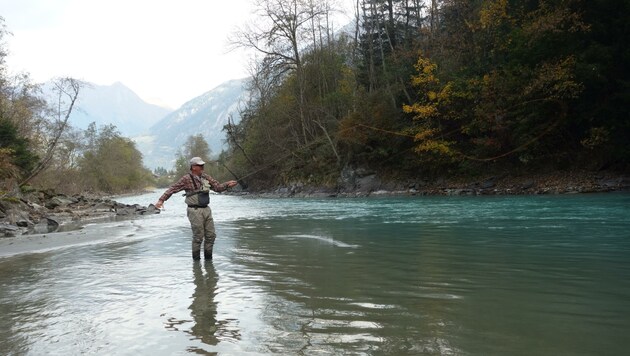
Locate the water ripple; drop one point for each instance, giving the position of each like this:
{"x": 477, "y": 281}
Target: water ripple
{"x": 435, "y": 276}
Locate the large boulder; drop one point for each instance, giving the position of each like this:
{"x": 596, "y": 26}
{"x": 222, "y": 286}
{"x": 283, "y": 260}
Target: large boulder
{"x": 9, "y": 230}
{"x": 45, "y": 226}
{"x": 17, "y": 213}
{"x": 60, "y": 200}
{"x": 367, "y": 184}
{"x": 135, "y": 209}
{"x": 358, "y": 179}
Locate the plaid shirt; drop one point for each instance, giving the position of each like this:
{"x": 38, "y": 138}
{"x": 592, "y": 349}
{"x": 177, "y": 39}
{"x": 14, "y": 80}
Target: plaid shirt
{"x": 186, "y": 183}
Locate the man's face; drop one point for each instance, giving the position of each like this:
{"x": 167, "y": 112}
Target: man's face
{"x": 196, "y": 169}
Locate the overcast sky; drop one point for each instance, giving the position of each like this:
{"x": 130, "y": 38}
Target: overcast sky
{"x": 166, "y": 51}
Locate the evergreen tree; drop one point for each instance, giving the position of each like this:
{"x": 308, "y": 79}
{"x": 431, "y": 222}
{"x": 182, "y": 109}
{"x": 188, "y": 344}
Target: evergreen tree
{"x": 15, "y": 154}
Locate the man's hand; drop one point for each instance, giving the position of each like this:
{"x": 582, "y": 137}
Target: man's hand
{"x": 159, "y": 204}
{"x": 231, "y": 183}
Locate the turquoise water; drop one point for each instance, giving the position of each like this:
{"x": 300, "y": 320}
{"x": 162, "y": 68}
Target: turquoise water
{"x": 524, "y": 275}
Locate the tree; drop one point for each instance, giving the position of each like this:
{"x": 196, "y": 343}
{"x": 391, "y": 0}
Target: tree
{"x": 499, "y": 84}
{"x": 431, "y": 112}
{"x": 16, "y": 157}
{"x": 20, "y": 110}
{"x": 284, "y": 29}
{"x": 111, "y": 163}
{"x": 509, "y": 81}
{"x": 67, "y": 90}
{"x": 195, "y": 146}
{"x": 160, "y": 171}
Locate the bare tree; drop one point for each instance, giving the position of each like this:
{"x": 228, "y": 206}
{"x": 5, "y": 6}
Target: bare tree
{"x": 284, "y": 29}
{"x": 67, "y": 91}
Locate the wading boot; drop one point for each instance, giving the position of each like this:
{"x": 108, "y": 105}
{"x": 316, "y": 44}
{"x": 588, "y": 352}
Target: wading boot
{"x": 196, "y": 255}
{"x": 207, "y": 255}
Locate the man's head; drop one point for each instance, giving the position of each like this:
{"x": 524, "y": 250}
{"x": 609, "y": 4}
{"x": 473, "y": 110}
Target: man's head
{"x": 196, "y": 165}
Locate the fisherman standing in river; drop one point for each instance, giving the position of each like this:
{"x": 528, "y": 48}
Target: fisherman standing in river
{"x": 197, "y": 186}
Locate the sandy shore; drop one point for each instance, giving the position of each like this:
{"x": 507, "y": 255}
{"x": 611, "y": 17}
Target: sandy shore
{"x": 90, "y": 234}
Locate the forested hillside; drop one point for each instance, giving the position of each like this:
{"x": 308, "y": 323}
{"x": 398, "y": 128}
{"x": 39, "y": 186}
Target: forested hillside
{"x": 434, "y": 88}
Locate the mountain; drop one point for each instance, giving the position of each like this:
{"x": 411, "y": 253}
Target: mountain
{"x": 205, "y": 114}
{"x": 112, "y": 104}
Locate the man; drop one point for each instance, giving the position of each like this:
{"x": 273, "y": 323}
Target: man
{"x": 197, "y": 185}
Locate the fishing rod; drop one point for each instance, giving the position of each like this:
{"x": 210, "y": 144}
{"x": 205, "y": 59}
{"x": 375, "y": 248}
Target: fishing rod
{"x": 240, "y": 181}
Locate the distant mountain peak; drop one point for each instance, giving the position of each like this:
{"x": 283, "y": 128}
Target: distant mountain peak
{"x": 112, "y": 104}
{"x": 205, "y": 114}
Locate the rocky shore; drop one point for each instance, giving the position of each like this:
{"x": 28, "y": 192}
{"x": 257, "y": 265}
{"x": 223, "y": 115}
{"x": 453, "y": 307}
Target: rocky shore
{"x": 363, "y": 183}
{"x": 40, "y": 212}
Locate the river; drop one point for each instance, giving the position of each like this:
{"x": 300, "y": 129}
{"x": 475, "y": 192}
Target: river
{"x": 500, "y": 275}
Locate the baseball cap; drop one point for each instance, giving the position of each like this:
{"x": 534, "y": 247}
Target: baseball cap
{"x": 197, "y": 161}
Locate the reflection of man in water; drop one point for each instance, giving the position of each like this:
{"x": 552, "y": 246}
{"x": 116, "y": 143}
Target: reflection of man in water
{"x": 203, "y": 308}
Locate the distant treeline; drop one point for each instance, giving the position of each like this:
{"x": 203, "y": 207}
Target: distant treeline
{"x": 427, "y": 88}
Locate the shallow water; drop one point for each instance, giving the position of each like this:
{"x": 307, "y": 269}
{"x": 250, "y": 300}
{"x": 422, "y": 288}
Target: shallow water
{"x": 536, "y": 275}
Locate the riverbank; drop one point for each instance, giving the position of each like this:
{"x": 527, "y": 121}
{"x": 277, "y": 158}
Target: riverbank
{"x": 43, "y": 212}
{"x": 89, "y": 233}
{"x": 363, "y": 183}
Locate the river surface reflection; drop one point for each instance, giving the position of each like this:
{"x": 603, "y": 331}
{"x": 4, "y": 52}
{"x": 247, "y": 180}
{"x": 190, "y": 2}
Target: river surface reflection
{"x": 539, "y": 275}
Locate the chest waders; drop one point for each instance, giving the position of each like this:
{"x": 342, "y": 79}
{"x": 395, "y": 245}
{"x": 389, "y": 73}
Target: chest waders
{"x": 200, "y": 217}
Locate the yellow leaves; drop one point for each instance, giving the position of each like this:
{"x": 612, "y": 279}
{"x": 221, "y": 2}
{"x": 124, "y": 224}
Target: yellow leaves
{"x": 429, "y": 69}
{"x": 555, "y": 80}
{"x": 423, "y": 79}
{"x": 425, "y": 66}
{"x": 421, "y": 111}
{"x": 425, "y": 134}
{"x": 493, "y": 13}
{"x": 432, "y": 95}
{"x": 444, "y": 96}
{"x": 426, "y": 70}
{"x": 550, "y": 19}
{"x": 434, "y": 146}
{"x": 430, "y": 143}
{"x": 431, "y": 107}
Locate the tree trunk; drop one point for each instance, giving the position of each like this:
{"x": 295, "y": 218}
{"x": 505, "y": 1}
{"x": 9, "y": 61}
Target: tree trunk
{"x": 69, "y": 87}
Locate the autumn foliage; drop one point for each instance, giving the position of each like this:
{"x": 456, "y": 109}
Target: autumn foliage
{"x": 443, "y": 87}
